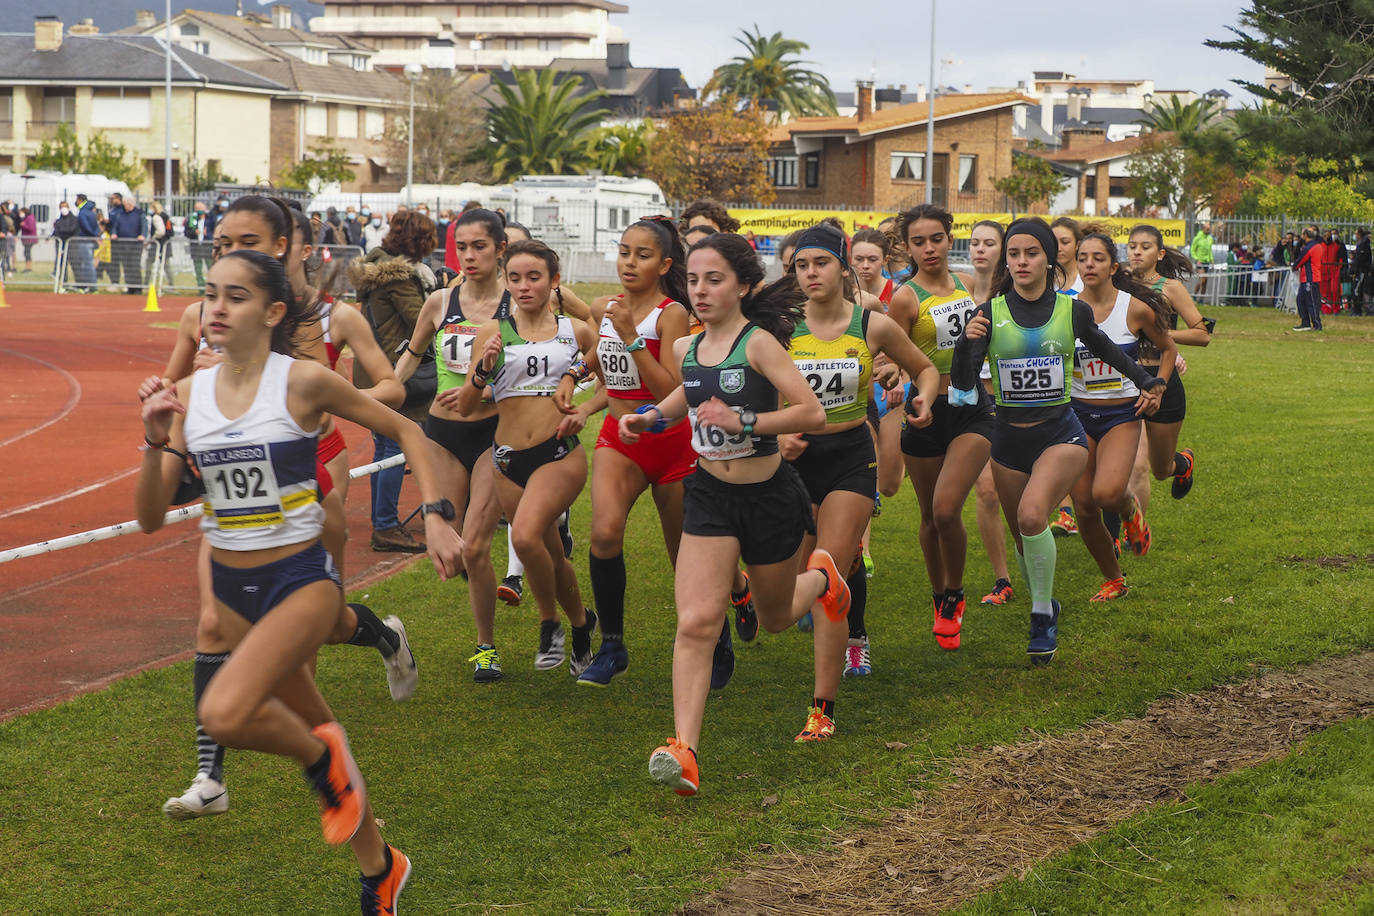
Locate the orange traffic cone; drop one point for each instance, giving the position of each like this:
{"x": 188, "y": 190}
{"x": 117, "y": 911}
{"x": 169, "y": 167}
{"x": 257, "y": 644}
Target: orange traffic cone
{"x": 3, "y": 303}
{"x": 152, "y": 298}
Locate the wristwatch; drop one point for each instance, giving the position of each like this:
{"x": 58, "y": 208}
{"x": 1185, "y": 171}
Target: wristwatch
{"x": 748, "y": 418}
{"x": 444, "y": 507}
{"x": 639, "y": 343}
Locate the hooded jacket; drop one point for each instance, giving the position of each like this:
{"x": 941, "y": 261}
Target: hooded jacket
{"x": 391, "y": 292}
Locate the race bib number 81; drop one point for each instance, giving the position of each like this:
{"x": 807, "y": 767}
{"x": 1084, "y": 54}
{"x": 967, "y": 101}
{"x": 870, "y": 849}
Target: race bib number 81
{"x": 715, "y": 443}
{"x": 240, "y": 487}
{"x": 1031, "y": 379}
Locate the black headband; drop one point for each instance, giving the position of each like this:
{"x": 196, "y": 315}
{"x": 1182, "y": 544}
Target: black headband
{"x": 824, "y": 238}
{"x": 1038, "y": 231}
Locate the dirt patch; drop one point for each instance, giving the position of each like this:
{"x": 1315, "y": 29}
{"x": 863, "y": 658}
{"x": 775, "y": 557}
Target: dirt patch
{"x": 1339, "y": 561}
{"x": 1010, "y": 807}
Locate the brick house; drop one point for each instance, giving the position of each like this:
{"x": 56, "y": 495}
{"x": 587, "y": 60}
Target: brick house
{"x": 1102, "y": 185}
{"x": 875, "y": 159}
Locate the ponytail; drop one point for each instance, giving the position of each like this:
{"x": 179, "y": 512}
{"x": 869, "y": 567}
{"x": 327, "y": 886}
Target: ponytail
{"x": 777, "y": 307}
{"x": 674, "y": 282}
{"x": 1173, "y": 263}
{"x": 1129, "y": 283}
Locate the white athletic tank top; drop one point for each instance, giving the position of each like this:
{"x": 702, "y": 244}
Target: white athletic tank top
{"x": 258, "y": 469}
{"x": 533, "y": 368}
{"x": 1094, "y": 380}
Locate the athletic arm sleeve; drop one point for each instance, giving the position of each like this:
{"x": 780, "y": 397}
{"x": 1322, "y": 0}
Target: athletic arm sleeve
{"x": 1086, "y": 330}
{"x": 969, "y": 355}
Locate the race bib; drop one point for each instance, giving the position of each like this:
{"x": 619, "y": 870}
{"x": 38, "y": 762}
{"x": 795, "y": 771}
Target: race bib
{"x": 240, "y": 488}
{"x": 715, "y": 443}
{"x": 1031, "y": 379}
{"x": 1095, "y": 374}
{"x": 455, "y": 343}
{"x": 950, "y": 319}
{"x": 617, "y": 365}
{"x": 835, "y": 381}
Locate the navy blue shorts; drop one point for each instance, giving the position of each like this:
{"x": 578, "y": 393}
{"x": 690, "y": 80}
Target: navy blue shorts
{"x": 254, "y": 591}
{"x": 1099, "y": 419}
{"x": 1018, "y": 447}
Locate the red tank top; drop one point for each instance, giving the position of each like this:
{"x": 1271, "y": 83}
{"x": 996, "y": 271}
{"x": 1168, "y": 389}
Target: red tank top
{"x": 885, "y": 297}
{"x": 618, "y": 366}
{"x": 331, "y": 349}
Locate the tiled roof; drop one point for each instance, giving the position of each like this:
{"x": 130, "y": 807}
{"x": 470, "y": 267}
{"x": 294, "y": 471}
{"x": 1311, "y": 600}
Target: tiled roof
{"x": 117, "y": 59}
{"x": 1098, "y": 152}
{"x": 298, "y": 76}
{"x": 946, "y": 106}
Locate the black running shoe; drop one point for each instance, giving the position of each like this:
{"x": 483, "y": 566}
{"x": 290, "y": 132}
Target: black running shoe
{"x": 746, "y": 619}
{"x": 1044, "y": 636}
{"x": 1183, "y": 482}
{"x": 723, "y": 661}
{"x": 565, "y": 534}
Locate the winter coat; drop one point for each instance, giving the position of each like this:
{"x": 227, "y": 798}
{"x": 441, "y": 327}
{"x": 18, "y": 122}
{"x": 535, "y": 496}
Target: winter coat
{"x": 28, "y": 229}
{"x": 391, "y": 292}
{"x": 127, "y": 224}
{"x": 87, "y": 224}
{"x": 64, "y": 227}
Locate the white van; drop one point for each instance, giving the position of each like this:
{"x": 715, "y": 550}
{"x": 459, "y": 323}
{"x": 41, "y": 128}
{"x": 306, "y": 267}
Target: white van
{"x": 42, "y": 191}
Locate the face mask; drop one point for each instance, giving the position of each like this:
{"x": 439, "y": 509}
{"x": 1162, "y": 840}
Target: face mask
{"x": 443, "y": 222}
{"x": 351, "y": 216}
{"x": 65, "y": 211}
{"x": 367, "y": 213}
{"x": 377, "y": 223}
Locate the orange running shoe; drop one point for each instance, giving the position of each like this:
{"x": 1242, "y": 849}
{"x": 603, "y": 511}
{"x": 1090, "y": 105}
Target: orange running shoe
{"x": 1111, "y": 590}
{"x": 1000, "y": 594}
{"x": 1064, "y": 524}
{"x": 1183, "y": 482}
{"x": 819, "y": 727}
{"x": 1136, "y": 531}
{"x": 675, "y": 766}
{"x": 949, "y": 618}
{"x": 380, "y": 893}
{"x": 342, "y": 793}
{"x": 835, "y": 598}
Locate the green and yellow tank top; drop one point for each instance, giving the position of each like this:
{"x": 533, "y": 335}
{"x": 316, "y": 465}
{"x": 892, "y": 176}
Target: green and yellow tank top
{"x": 453, "y": 341}
{"x": 940, "y": 321}
{"x": 1030, "y": 366}
{"x": 839, "y": 370}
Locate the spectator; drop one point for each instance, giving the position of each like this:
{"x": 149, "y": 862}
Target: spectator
{"x": 331, "y": 216}
{"x": 393, "y": 281}
{"x": 1335, "y": 261}
{"x": 64, "y": 229}
{"x": 323, "y": 231}
{"x": 353, "y": 229}
{"x": 81, "y": 254}
{"x": 104, "y": 264}
{"x": 8, "y": 227}
{"x": 1360, "y": 268}
{"x": 1308, "y": 267}
{"x": 128, "y": 232}
{"x": 1282, "y": 257}
{"x": 215, "y": 215}
{"x": 373, "y": 233}
{"x": 199, "y": 230}
{"x": 28, "y": 236}
{"x": 1201, "y": 250}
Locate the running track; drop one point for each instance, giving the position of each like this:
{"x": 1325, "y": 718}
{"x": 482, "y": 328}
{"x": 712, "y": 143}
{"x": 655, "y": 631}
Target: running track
{"x": 75, "y": 620}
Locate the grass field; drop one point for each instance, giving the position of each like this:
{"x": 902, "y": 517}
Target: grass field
{"x": 532, "y": 796}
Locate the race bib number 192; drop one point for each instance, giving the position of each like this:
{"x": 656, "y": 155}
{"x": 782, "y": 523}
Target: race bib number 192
{"x": 240, "y": 487}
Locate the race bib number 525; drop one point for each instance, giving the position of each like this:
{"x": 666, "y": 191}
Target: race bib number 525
{"x": 1031, "y": 379}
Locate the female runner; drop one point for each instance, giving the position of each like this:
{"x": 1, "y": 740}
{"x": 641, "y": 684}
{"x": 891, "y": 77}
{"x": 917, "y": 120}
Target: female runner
{"x": 984, "y": 248}
{"x": 268, "y": 225}
{"x": 833, "y": 346}
{"x": 638, "y": 329}
{"x": 1163, "y": 269}
{"x": 944, "y": 458}
{"x": 1027, "y": 334}
{"x": 532, "y": 360}
{"x": 743, "y": 502}
{"x": 1126, "y": 310}
{"x": 1068, "y": 234}
{"x": 449, "y": 322}
{"x": 244, "y": 422}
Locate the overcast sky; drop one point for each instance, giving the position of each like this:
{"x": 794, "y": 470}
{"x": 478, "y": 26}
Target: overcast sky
{"x": 991, "y": 42}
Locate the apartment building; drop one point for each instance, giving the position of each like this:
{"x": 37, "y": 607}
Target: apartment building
{"x": 484, "y": 35}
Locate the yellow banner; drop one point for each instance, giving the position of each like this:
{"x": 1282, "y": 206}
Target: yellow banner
{"x": 783, "y": 222}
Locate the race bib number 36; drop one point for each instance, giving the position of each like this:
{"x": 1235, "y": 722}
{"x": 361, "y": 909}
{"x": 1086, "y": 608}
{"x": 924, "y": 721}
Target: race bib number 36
{"x": 1095, "y": 374}
{"x": 715, "y": 443}
{"x": 835, "y": 381}
{"x": 240, "y": 488}
{"x": 950, "y": 319}
{"x": 617, "y": 365}
{"x": 1031, "y": 379}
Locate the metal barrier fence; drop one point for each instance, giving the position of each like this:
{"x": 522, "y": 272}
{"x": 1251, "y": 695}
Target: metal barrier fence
{"x": 1271, "y": 287}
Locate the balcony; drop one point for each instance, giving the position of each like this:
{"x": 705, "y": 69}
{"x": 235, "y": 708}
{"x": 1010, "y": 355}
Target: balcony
{"x": 46, "y": 130}
{"x": 6, "y": 130}
{"x": 400, "y": 26}
{"x": 570, "y": 26}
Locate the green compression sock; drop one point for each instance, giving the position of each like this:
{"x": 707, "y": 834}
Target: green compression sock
{"x": 1039, "y": 561}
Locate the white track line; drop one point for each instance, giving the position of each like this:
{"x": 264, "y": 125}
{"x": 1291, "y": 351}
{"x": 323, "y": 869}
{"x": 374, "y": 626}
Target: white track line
{"x": 67, "y": 408}
{"x": 53, "y": 500}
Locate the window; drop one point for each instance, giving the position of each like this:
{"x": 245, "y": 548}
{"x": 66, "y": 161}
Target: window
{"x": 907, "y": 167}
{"x": 348, "y": 122}
{"x": 121, "y": 108}
{"x": 783, "y": 171}
{"x": 551, "y": 44}
{"x": 316, "y": 120}
{"x": 374, "y": 124}
{"x": 968, "y": 174}
{"x": 201, "y": 47}
{"x": 59, "y": 106}
{"x": 6, "y": 108}
{"x": 812, "y": 178}
{"x": 189, "y": 29}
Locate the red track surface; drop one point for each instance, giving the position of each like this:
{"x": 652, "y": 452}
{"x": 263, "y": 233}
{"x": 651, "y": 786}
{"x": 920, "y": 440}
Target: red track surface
{"x": 75, "y": 620}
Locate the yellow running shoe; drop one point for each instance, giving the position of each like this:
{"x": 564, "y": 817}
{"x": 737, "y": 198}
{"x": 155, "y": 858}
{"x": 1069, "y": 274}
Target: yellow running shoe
{"x": 819, "y": 726}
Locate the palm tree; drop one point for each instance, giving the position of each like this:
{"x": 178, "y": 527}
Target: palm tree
{"x": 1183, "y": 119}
{"x": 622, "y": 149}
{"x": 543, "y": 126}
{"x": 770, "y": 72}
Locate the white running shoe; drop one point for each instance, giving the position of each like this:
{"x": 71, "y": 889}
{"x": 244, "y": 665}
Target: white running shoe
{"x": 551, "y": 652}
{"x": 206, "y": 796}
{"x": 401, "y": 671}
